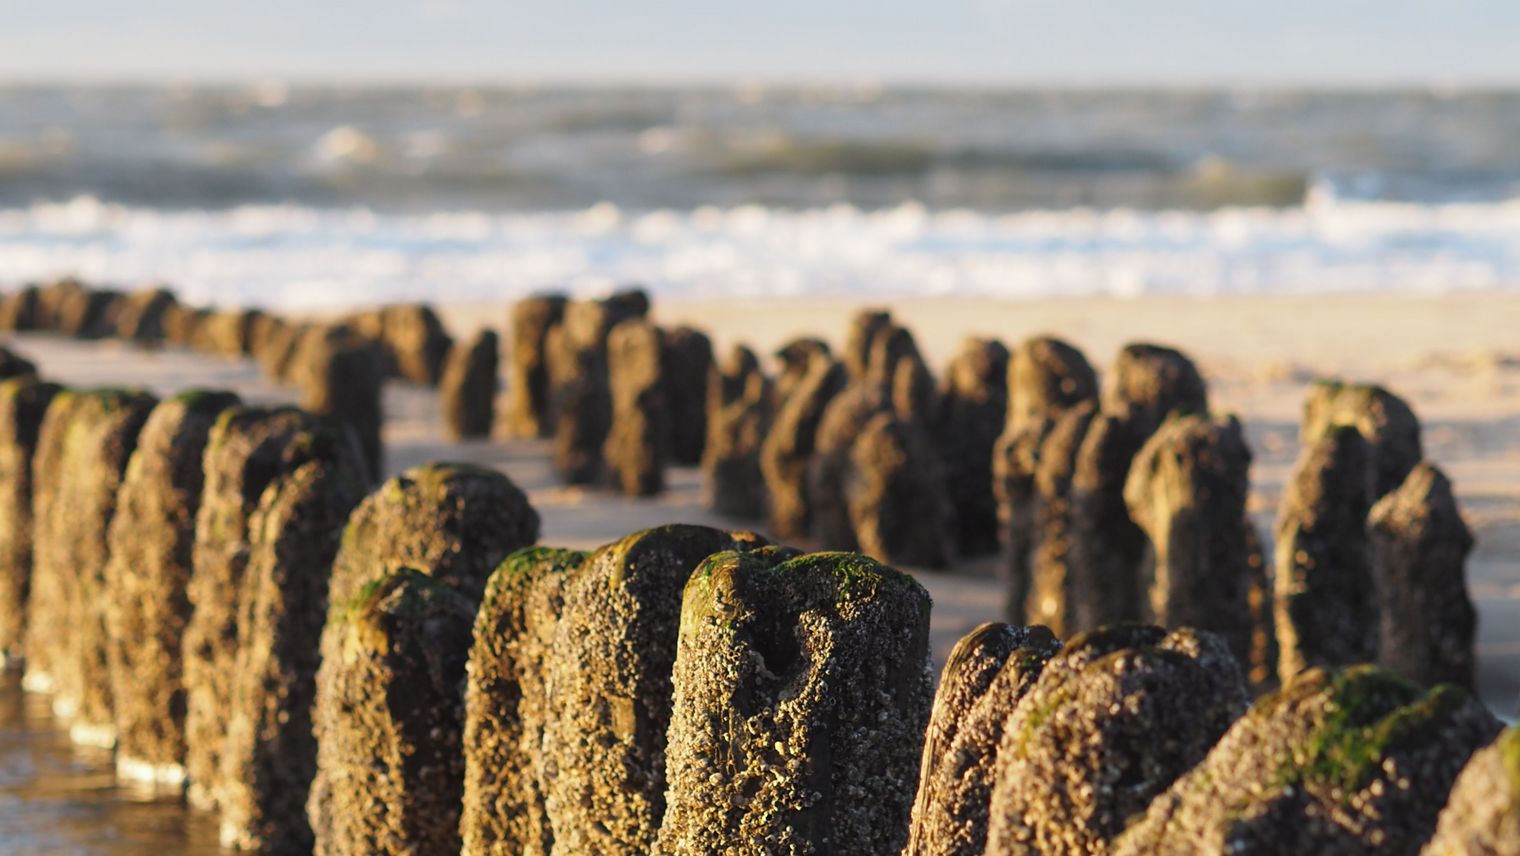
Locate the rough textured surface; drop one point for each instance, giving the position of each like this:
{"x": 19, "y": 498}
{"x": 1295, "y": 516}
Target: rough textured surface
{"x": 278, "y": 352}
{"x": 789, "y": 445}
{"x": 528, "y": 370}
{"x": 580, "y": 396}
{"x": 866, "y": 328}
{"x": 609, "y": 682}
{"x": 1151, "y": 382}
{"x": 226, "y": 332}
{"x": 507, "y": 707}
{"x": 23, "y": 404}
{"x": 141, "y": 318}
{"x": 685, "y": 362}
{"x": 71, "y": 551}
{"x": 21, "y": 310}
{"x": 248, "y": 450}
{"x": 829, "y": 467}
{"x": 796, "y": 357}
{"x": 454, "y": 522}
{"x": 802, "y": 689}
{"x": 266, "y": 332}
{"x": 51, "y": 300}
{"x": 416, "y": 341}
{"x": 1420, "y": 547}
{"x": 1148, "y": 383}
{"x": 467, "y": 390}
{"x": 1046, "y": 377}
{"x": 1053, "y": 585}
{"x": 739, "y": 415}
{"x": 1326, "y": 604}
{"x": 47, "y": 595}
{"x": 13, "y": 364}
{"x": 895, "y": 492}
{"x": 1385, "y": 421}
{"x": 389, "y": 718}
{"x": 894, "y": 380}
{"x": 1263, "y": 603}
{"x": 1107, "y": 546}
{"x": 182, "y": 324}
{"x": 1187, "y": 489}
{"x": 341, "y": 376}
{"x": 639, "y": 437}
{"x": 1482, "y": 817}
{"x": 152, "y": 543}
{"x": 1352, "y": 762}
{"x": 89, "y": 313}
{"x": 973, "y": 405}
{"x": 1015, "y": 461}
{"x": 897, "y": 365}
{"x": 1114, "y": 719}
{"x": 270, "y": 755}
{"x": 987, "y": 673}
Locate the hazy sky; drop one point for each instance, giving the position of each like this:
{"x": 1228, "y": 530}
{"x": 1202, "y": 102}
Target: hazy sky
{"x": 993, "y": 41}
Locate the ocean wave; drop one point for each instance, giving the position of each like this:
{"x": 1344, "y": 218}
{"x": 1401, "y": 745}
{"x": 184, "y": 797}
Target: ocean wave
{"x": 293, "y": 256}
{"x": 418, "y": 149}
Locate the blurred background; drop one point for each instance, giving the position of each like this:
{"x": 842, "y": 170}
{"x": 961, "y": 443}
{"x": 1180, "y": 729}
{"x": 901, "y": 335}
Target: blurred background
{"x": 301, "y": 157}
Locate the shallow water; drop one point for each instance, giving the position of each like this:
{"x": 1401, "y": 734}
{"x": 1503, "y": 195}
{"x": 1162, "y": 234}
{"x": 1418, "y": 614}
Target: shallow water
{"x": 63, "y": 800}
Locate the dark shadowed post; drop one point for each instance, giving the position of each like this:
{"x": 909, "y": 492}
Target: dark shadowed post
{"x": 23, "y": 404}
{"x": 1420, "y": 546}
{"x": 987, "y": 673}
{"x": 467, "y": 390}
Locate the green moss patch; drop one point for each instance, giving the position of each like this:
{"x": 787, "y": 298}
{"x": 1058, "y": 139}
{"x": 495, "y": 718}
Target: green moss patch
{"x": 521, "y": 567}
{"x": 1509, "y": 752}
{"x": 1370, "y": 712}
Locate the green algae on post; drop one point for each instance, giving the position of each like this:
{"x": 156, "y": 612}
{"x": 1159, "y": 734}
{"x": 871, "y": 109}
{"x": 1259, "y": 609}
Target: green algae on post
{"x": 449, "y": 520}
{"x": 1348, "y": 761}
{"x": 609, "y": 665}
{"x": 507, "y": 704}
{"x": 801, "y": 693}
{"x": 1112, "y": 721}
{"x": 388, "y": 719}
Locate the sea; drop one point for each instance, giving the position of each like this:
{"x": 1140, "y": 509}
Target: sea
{"x": 311, "y": 196}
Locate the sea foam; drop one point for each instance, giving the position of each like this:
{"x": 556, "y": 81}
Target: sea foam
{"x": 297, "y": 257}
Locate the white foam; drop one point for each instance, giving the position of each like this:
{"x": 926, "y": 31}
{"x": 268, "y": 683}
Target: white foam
{"x": 37, "y": 682}
{"x": 130, "y": 769}
{"x": 297, "y": 257}
{"x": 98, "y": 736}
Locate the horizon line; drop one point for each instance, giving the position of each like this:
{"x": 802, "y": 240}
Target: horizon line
{"x": 10, "y": 78}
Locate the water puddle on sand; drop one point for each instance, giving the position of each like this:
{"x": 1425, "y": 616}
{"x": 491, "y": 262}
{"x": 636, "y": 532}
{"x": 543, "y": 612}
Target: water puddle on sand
{"x": 63, "y": 800}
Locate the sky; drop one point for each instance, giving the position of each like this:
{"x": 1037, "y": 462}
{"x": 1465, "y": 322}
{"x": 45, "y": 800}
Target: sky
{"x": 1349, "y": 42}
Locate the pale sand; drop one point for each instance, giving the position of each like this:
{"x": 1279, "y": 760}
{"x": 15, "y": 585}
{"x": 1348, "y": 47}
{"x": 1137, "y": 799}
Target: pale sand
{"x": 1456, "y": 359}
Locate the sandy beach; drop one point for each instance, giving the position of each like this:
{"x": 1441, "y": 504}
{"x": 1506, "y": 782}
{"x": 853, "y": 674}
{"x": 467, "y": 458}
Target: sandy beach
{"x": 1456, "y": 359}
